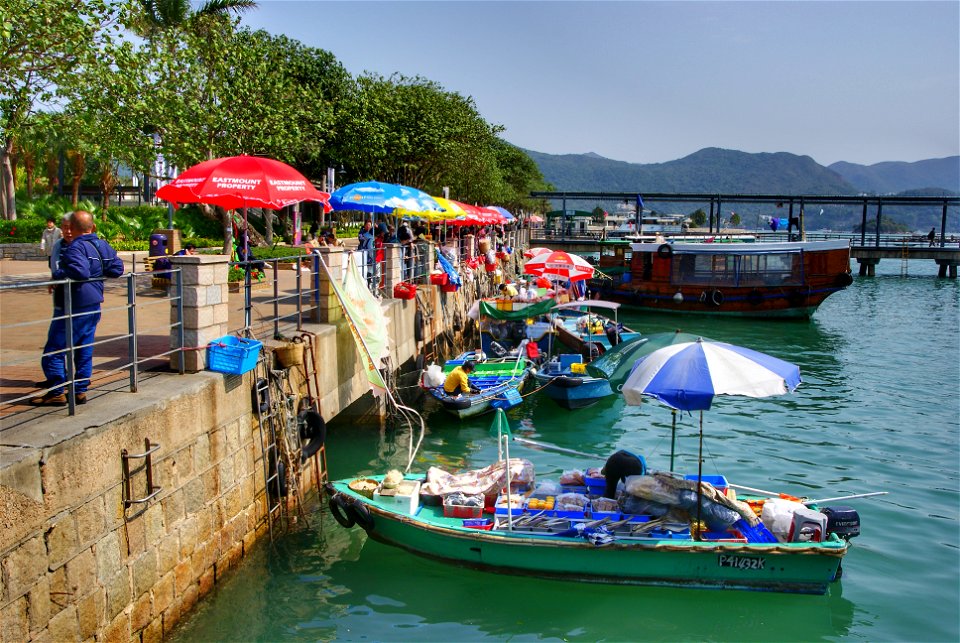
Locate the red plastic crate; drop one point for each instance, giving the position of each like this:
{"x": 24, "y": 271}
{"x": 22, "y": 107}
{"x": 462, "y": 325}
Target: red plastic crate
{"x": 439, "y": 279}
{"x": 461, "y": 511}
{"x": 449, "y": 288}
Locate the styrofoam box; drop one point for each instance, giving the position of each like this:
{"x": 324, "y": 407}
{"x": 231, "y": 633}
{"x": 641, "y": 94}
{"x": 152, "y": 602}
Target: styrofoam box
{"x": 404, "y": 503}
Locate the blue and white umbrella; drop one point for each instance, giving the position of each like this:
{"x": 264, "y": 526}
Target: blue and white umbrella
{"x": 383, "y": 198}
{"x": 686, "y": 377}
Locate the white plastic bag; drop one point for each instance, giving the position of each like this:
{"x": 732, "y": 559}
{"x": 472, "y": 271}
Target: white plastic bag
{"x": 777, "y": 516}
{"x": 433, "y": 376}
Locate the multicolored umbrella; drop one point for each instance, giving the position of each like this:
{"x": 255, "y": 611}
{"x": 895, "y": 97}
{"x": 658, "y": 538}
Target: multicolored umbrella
{"x": 686, "y": 376}
{"x": 559, "y": 265}
{"x": 382, "y": 198}
{"x": 507, "y": 217}
{"x": 533, "y": 252}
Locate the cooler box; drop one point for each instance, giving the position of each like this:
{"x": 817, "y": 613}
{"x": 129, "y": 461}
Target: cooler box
{"x": 404, "y": 498}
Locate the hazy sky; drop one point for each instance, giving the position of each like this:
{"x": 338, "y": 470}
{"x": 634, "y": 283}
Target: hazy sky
{"x": 649, "y": 82}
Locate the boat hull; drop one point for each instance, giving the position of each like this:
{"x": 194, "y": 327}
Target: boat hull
{"x": 794, "y": 567}
{"x": 572, "y": 392}
{"x": 786, "y": 280}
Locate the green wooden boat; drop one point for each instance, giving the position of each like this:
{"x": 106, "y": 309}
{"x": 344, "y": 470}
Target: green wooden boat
{"x": 423, "y": 529}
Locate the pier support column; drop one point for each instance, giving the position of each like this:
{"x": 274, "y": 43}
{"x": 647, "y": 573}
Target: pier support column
{"x": 204, "y": 305}
{"x": 469, "y": 247}
{"x": 392, "y": 267}
{"x": 328, "y": 307}
{"x": 868, "y": 267}
{"x": 945, "y": 269}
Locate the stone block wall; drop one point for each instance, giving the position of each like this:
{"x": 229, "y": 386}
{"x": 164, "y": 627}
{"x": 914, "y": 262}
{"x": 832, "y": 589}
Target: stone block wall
{"x": 22, "y": 252}
{"x": 74, "y": 568}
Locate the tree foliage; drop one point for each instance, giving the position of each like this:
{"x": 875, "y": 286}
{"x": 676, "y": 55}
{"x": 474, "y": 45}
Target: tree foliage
{"x": 192, "y": 85}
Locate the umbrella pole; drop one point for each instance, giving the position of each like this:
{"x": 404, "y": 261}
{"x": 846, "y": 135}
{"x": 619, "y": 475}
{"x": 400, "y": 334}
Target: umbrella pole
{"x": 699, "y": 478}
{"x": 673, "y": 436}
{"x": 246, "y": 235}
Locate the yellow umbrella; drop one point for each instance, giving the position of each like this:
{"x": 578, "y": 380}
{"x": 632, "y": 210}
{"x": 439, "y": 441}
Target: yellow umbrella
{"x": 451, "y": 212}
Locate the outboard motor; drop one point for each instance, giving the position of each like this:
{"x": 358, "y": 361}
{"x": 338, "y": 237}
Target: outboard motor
{"x": 842, "y": 521}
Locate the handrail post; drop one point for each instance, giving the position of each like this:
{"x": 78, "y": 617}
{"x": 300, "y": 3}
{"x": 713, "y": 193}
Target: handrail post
{"x": 300, "y": 259}
{"x": 132, "y": 330}
{"x": 180, "y": 331}
{"x": 69, "y": 374}
{"x": 876, "y": 242}
{"x": 276, "y": 300}
{"x": 247, "y": 303}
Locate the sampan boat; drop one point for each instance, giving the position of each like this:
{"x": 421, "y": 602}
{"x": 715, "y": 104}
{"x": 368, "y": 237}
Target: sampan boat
{"x": 567, "y": 383}
{"x": 677, "y": 560}
{"x": 499, "y": 382}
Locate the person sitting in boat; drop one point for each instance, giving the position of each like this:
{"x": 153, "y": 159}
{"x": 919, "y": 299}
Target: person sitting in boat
{"x": 458, "y": 382}
{"x": 618, "y": 466}
{"x": 508, "y": 290}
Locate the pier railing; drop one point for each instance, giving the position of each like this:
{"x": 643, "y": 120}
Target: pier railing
{"x": 129, "y": 350}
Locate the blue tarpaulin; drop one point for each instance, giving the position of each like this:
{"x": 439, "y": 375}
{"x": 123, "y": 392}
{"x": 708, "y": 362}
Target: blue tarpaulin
{"x": 452, "y": 275}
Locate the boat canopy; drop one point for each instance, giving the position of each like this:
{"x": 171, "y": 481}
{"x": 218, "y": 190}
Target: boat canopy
{"x": 786, "y": 247}
{"x": 533, "y": 310}
{"x": 590, "y": 303}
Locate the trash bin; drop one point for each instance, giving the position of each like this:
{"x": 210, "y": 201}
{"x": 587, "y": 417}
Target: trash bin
{"x": 158, "y": 245}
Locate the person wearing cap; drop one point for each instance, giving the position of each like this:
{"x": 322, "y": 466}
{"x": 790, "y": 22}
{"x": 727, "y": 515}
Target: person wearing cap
{"x": 458, "y": 381}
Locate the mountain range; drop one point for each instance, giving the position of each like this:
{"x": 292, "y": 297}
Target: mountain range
{"x": 715, "y": 170}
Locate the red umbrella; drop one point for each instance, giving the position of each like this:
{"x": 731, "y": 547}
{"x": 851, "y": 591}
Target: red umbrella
{"x": 533, "y": 252}
{"x": 240, "y": 182}
{"x": 559, "y": 264}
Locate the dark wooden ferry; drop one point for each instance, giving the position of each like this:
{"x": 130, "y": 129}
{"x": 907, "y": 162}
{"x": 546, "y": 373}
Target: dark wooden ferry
{"x": 788, "y": 279}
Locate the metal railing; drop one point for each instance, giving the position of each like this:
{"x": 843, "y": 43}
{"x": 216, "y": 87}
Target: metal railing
{"x": 68, "y": 317}
{"x": 280, "y": 311}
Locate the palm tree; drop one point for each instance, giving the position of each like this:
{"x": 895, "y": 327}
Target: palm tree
{"x": 161, "y": 15}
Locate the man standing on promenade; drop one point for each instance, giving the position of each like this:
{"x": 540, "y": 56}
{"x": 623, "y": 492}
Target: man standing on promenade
{"x": 50, "y": 235}
{"x": 86, "y": 259}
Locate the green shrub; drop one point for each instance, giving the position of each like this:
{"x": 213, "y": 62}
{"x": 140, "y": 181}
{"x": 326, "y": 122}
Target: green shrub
{"x": 277, "y": 252}
{"x": 130, "y": 245}
{"x": 22, "y": 230}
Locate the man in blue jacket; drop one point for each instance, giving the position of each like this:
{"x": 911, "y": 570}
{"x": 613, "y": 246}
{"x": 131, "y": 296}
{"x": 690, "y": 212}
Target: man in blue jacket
{"x": 86, "y": 260}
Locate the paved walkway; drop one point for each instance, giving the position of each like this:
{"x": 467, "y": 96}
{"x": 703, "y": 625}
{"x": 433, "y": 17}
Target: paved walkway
{"x": 25, "y": 317}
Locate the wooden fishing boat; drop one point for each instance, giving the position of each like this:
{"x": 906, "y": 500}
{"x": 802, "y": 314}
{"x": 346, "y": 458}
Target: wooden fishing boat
{"x": 581, "y": 328}
{"x": 564, "y": 551}
{"x": 788, "y": 279}
{"x": 499, "y": 380}
{"x": 505, "y": 323}
{"x": 567, "y": 383}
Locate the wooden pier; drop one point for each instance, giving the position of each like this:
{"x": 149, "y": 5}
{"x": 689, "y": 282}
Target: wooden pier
{"x": 868, "y": 246}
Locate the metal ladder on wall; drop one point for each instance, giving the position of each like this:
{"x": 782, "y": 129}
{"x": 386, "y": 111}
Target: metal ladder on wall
{"x": 273, "y": 470}
{"x": 310, "y": 375}
{"x": 904, "y": 259}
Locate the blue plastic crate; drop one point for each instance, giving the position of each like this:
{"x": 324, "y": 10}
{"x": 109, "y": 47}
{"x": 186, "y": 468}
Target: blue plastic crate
{"x": 758, "y": 534}
{"x": 233, "y": 355}
{"x": 511, "y": 399}
{"x": 719, "y": 482}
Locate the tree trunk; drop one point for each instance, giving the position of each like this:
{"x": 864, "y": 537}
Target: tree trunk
{"x": 53, "y": 171}
{"x": 108, "y": 182}
{"x": 268, "y": 216}
{"x": 78, "y": 165}
{"x": 29, "y": 167}
{"x": 227, "y": 219}
{"x": 9, "y": 205}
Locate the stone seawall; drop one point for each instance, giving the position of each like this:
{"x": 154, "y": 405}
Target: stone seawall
{"x": 74, "y": 568}
{"x": 75, "y": 565}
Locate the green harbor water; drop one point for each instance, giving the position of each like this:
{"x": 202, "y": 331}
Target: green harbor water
{"x": 878, "y": 410}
